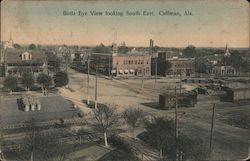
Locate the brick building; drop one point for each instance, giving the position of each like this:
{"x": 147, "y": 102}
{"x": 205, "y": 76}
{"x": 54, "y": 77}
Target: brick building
{"x": 122, "y": 65}
{"x": 181, "y": 66}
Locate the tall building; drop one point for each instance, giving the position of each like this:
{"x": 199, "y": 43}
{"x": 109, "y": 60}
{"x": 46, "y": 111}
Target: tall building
{"x": 122, "y": 65}
{"x": 181, "y": 66}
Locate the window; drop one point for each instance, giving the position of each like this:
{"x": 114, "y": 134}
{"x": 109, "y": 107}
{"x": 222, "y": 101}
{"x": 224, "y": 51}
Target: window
{"x": 117, "y": 63}
{"x": 135, "y": 61}
{"x": 129, "y": 62}
{"x": 132, "y": 62}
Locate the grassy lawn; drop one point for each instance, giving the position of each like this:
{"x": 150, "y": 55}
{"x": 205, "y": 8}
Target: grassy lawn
{"x": 89, "y": 152}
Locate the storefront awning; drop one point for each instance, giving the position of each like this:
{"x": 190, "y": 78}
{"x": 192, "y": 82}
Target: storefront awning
{"x": 113, "y": 71}
{"x": 121, "y": 71}
{"x": 132, "y": 70}
{"x": 126, "y": 71}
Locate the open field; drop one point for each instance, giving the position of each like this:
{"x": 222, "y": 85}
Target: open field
{"x": 53, "y": 107}
{"x": 229, "y": 142}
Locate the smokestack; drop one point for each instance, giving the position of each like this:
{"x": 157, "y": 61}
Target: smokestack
{"x": 151, "y": 46}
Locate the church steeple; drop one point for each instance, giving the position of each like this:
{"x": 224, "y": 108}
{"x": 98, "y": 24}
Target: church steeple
{"x": 227, "y": 53}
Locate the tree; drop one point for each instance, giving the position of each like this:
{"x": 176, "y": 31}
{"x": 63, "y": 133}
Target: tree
{"x": 32, "y": 137}
{"x": 161, "y": 134}
{"x": 17, "y": 46}
{"x": 123, "y": 48}
{"x": 32, "y": 47}
{"x": 53, "y": 61}
{"x": 234, "y": 59}
{"x": 27, "y": 80}
{"x": 189, "y": 51}
{"x": 102, "y": 49}
{"x": 106, "y": 118}
{"x": 61, "y": 79}
{"x": 132, "y": 117}
{"x": 45, "y": 81}
{"x": 201, "y": 65}
{"x": 43, "y": 146}
{"x": 162, "y": 67}
{"x": 10, "y": 83}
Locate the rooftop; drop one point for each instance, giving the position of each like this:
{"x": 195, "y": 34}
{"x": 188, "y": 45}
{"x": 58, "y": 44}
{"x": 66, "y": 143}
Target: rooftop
{"x": 13, "y": 56}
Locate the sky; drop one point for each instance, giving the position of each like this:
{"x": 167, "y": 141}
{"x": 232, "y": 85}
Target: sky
{"x": 213, "y": 23}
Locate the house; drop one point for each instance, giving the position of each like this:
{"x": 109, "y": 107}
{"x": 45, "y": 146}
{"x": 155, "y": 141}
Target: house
{"x": 222, "y": 70}
{"x": 17, "y": 61}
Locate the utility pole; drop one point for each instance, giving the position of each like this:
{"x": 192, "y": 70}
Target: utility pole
{"x": 180, "y": 81}
{"x": 143, "y": 71}
{"x": 176, "y": 124}
{"x": 155, "y": 70}
{"x": 109, "y": 70}
{"x": 211, "y": 133}
{"x": 88, "y": 83}
{"x": 95, "y": 87}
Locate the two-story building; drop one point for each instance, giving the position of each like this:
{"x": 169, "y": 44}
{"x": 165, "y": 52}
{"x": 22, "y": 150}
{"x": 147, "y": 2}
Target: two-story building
{"x": 122, "y": 65}
{"x": 17, "y": 62}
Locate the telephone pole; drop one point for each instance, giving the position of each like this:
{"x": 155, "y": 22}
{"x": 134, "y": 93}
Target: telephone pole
{"x": 143, "y": 72}
{"x": 176, "y": 124}
{"x": 95, "y": 87}
{"x": 180, "y": 81}
{"x": 88, "y": 83}
{"x": 211, "y": 133}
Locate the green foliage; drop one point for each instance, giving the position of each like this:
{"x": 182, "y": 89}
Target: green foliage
{"x": 10, "y": 82}
{"x": 160, "y": 134}
{"x": 189, "y": 51}
{"x": 123, "y": 49}
{"x": 17, "y": 46}
{"x": 27, "y": 79}
{"x": 120, "y": 143}
{"x": 123, "y": 150}
{"x": 201, "y": 65}
{"x": 102, "y": 49}
{"x": 44, "y": 147}
{"x": 44, "y": 80}
{"x": 32, "y": 47}
{"x": 61, "y": 79}
{"x": 162, "y": 67}
{"x": 53, "y": 60}
{"x": 234, "y": 59}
